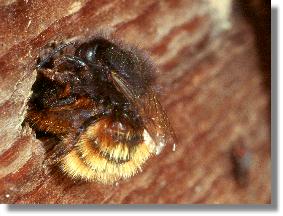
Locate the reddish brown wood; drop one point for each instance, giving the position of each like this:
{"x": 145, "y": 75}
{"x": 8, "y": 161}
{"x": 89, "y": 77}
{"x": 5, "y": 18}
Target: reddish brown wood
{"x": 212, "y": 85}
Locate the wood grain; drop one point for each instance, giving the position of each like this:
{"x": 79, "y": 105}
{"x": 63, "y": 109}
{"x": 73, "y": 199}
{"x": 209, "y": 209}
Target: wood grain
{"x": 210, "y": 79}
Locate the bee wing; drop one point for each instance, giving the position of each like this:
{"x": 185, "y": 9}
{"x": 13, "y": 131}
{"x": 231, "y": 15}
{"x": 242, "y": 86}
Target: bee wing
{"x": 150, "y": 110}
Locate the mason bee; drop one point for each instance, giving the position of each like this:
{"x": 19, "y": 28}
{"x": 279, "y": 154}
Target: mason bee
{"x": 96, "y": 98}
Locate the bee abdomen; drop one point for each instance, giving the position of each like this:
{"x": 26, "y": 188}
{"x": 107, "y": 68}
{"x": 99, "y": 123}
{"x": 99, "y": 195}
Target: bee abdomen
{"x": 97, "y": 156}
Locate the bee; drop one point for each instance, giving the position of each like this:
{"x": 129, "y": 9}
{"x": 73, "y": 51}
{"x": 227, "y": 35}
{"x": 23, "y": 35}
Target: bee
{"x": 97, "y": 99}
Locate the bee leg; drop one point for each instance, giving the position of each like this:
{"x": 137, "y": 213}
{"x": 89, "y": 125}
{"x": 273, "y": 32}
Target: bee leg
{"x": 64, "y": 101}
{"x": 68, "y": 142}
{"x": 59, "y": 151}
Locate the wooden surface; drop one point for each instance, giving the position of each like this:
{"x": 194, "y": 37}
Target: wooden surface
{"x": 212, "y": 84}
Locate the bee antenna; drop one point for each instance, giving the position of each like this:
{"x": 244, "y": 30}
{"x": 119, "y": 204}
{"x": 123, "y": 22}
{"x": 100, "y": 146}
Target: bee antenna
{"x": 54, "y": 52}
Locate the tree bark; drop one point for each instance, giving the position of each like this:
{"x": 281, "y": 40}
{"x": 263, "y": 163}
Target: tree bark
{"x": 212, "y": 82}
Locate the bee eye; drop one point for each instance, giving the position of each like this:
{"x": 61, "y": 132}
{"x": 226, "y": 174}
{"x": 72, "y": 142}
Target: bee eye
{"x": 87, "y": 52}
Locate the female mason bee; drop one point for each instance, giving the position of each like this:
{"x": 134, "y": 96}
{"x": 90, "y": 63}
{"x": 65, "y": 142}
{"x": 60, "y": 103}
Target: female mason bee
{"x": 96, "y": 98}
